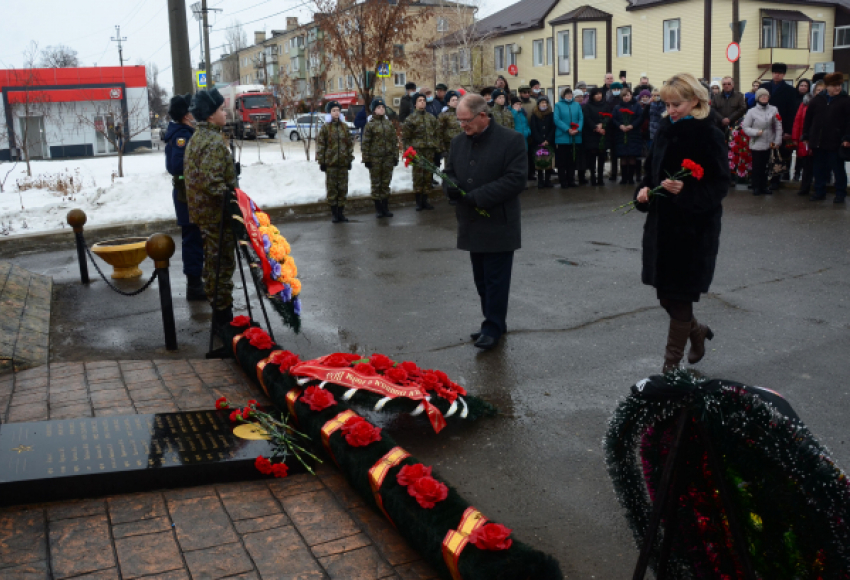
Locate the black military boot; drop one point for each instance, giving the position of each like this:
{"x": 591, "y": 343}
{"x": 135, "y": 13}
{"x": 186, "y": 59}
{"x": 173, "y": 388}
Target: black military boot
{"x": 223, "y": 317}
{"x": 379, "y": 208}
{"x": 341, "y": 215}
{"x": 419, "y": 202}
{"x": 425, "y": 204}
{"x": 335, "y": 213}
{"x": 385, "y": 207}
{"x": 195, "y": 288}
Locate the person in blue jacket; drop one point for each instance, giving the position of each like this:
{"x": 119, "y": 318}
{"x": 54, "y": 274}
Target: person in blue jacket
{"x": 192, "y": 248}
{"x": 520, "y": 119}
{"x": 569, "y": 120}
{"x": 360, "y": 121}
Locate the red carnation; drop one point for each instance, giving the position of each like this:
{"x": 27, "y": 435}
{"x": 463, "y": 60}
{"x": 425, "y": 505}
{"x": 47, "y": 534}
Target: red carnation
{"x": 626, "y": 111}
{"x": 240, "y": 321}
{"x": 247, "y": 412}
{"x": 430, "y": 381}
{"x": 259, "y": 338}
{"x": 778, "y": 118}
{"x": 491, "y": 537}
{"x": 695, "y": 168}
{"x": 574, "y": 126}
{"x": 222, "y": 403}
{"x": 236, "y": 415}
{"x": 280, "y": 470}
{"x": 340, "y": 359}
{"x": 318, "y": 399}
{"x": 606, "y": 115}
{"x": 263, "y": 465}
{"x": 411, "y": 368}
{"x": 285, "y": 359}
{"x": 359, "y": 432}
{"x": 410, "y": 474}
{"x": 381, "y": 362}
{"x": 396, "y": 374}
{"x": 409, "y": 153}
{"x": 251, "y": 403}
{"x": 365, "y": 369}
{"x": 428, "y": 491}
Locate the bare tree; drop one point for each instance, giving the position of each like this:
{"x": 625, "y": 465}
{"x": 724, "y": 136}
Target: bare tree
{"x": 461, "y": 57}
{"x": 156, "y": 94}
{"x": 302, "y": 96}
{"x": 363, "y": 33}
{"x": 59, "y": 56}
{"x": 4, "y": 143}
{"x": 29, "y": 105}
{"x": 235, "y": 39}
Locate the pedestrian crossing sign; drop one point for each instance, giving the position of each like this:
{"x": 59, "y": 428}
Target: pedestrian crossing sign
{"x": 201, "y": 78}
{"x": 384, "y": 70}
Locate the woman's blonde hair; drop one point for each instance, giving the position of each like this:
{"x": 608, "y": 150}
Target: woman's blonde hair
{"x": 686, "y": 87}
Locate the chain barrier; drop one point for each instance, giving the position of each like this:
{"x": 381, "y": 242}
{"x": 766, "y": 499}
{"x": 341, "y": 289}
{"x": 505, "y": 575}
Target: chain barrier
{"x": 108, "y": 283}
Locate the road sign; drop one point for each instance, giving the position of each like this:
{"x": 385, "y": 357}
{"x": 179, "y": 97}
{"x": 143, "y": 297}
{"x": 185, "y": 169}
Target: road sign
{"x": 742, "y": 24}
{"x": 384, "y": 70}
{"x": 201, "y": 79}
{"x": 733, "y": 52}
{"x": 513, "y": 70}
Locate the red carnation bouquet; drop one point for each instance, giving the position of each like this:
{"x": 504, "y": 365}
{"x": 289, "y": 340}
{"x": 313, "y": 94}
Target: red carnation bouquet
{"x": 574, "y": 127}
{"x": 627, "y": 120}
{"x": 689, "y": 169}
{"x": 606, "y": 117}
{"x": 411, "y": 156}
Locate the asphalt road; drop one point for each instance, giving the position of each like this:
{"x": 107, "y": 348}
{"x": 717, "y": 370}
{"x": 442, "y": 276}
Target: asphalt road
{"x": 583, "y": 329}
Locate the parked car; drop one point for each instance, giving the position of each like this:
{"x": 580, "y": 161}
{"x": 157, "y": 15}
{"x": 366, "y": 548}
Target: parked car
{"x": 306, "y": 125}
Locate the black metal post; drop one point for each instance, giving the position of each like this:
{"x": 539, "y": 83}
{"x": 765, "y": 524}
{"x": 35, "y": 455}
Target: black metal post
{"x": 76, "y": 219}
{"x": 244, "y": 283}
{"x": 160, "y": 248}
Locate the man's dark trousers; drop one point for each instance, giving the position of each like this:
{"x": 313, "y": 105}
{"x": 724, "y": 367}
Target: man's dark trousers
{"x": 827, "y": 162}
{"x": 492, "y": 274}
{"x": 192, "y": 244}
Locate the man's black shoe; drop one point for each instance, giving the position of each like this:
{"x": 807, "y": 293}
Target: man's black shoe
{"x": 838, "y": 199}
{"x": 485, "y": 342}
{"x": 475, "y": 335}
{"x": 817, "y": 198}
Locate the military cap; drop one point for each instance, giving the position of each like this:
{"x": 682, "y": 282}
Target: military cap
{"x": 178, "y": 107}
{"x": 206, "y": 103}
{"x": 331, "y": 105}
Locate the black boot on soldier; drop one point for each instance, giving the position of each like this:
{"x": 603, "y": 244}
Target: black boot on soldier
{"x": 379, "y": 208}
{"x": 385, "y": 208}
{"x": 195, "y": 288}
{"x": 335, "y": 213}
{"x": 340, "y": 215}
{"x": 425, "y": 204}
{"x": 223, "y": 317}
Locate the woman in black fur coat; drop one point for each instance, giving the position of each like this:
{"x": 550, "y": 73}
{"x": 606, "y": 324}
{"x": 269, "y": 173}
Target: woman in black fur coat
{"x": 681, "y": 236}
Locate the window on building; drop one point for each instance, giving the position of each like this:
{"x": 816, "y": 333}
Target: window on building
{"x": 286, "y": 47}
{"x": 340, "y": 83}
{"x": 399, "y": 79}
{"x": 350, "y": 82}
{"x": 511, "y": 54}
{"x": 842, "y": 37}
{"x": 818, "y": 31}
{"x": 398, "y": 51}
{"x": 294, "y": 62}
{"x": 442, "y": 24}
{"x": 672, "y": 36}
{"x": 454, "y": 60}
{"x": 537, "y": 52}
{"x": 444, "y": 64}
{"x": 778, "y": 33}
{"x": 588, "y": 43}
{"x": 465, "y": 60}
{"x": 499, "y": 58}
{"x": 549, "y": 44}
{"x": 564, "y": 52}
{"x": 624, "y": 41}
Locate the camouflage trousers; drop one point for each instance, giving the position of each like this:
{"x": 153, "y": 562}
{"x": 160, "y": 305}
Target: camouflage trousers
{"x": 212, "y": 247}
{"x": 422, "y": 177}
{"x": 380, "y": 175}
{"x": 336, "y": 185}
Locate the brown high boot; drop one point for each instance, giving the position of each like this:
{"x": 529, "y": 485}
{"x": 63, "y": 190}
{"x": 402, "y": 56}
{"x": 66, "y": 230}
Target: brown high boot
{"x": 699, "y": 332}
{"x": 677, "y": 338}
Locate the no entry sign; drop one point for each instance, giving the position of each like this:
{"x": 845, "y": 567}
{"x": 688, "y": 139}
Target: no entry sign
{"x": 733, "y": 52}
{"x": 513, "y": 70}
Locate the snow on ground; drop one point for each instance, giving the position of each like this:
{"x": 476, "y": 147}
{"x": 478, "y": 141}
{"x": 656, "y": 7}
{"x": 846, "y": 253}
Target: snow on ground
{"x": 144, "y": 193}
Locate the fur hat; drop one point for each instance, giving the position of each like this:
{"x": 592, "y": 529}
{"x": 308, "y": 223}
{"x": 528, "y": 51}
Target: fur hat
{"x": 524, "y": 88}
{"x": 818, "y": 77}
{"x": 178, "y": 107}
{"x": 761, "y": 92}
{"x": 779, "y": 67}
{"x": 416, "y": 97}
{"x": 451, "y": 94}
{"x": 442, "y": 87}
{"x": 616, "y": 85}
{"x": 206, "y": 103}
{"x": 331, "y": 105}
{"x": 542, "y": 98}
{"x": 377, "y": 102}
{"x": 496, "y": 94}
{"x": 833, "y": 79}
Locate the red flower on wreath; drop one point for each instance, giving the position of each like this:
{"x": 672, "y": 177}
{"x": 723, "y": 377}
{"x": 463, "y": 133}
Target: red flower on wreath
{"x": 240, "y": 321}
{"x": 381, "y": 362}
{"x": 280, "y": 470}
{"x": 222, "y": 403}
{"x": 430, "y": 381}
{"x": 396, "y": 375}
{"x": 318, "y": 399}
{"x": 285, "y": 359}
{"x": 259, "y": 338}
{"x": 365, "y": 369}
{"x": 695, "y": 168}
{"x": 340, "y": 359}
{"x": 410, "y": 367}
{"x": 263, "y": 465}
{"x": 491, "y": 537}
{"x": 358, "y": 432}
{"x": 428, "y": 491}
{"x": 410, "y": 474}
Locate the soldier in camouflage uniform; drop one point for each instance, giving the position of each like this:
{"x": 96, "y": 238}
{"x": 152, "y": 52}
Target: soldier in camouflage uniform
{"x": 420, "y": 132}
{"x": 501, "y": 112}
{"x": 380, "y": 155}
{"x": 335, "y": 152}
{"x": 210, "y": 175}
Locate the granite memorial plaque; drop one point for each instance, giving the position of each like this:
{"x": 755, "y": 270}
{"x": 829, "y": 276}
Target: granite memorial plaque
{"x": 76, "y": 458}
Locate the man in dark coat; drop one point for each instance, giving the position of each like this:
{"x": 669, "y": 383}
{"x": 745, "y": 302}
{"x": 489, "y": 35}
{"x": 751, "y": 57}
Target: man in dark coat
{"x": 177, "y": 138}
{"x": 489, "y": 163}
{"x": 406, "y": 105}
{"x": 827, "y": 130}
{"x": 784, "y": 97}
{"x": 729, "y": 103}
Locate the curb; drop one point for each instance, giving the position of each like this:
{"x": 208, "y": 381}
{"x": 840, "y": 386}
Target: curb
{"x": 13, "y": 246}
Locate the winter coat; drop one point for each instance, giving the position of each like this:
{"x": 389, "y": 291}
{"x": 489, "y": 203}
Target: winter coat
{"x": 784, "y": 97}
{"x": 380, "y": 141}
{"x": 405, "y": 108}
{"x": 177, "y": 138}
{"x": 542, "y": 127}
{"x": 827, "y": 122}
{"x": 592, "y": 118}
{"x": 528, "y": 107}
{"x": 763, "y": 119}
{"x": 503, "y": 115}
{"x": 629, "y": 144}
{"x": 521, "y": 124}
{"x": 733, "y": 107}
{"x": 420, "y": 132}
{"x": 797, "y": 131}
{"x": 656, "y": 114}
{"x": 681, "y": 236}
{"x": 361, "y": 119}
{"x": 209, "y": 174}
{"x": 335, "y": 147}
{"x": 566, "y": 113}
{"x": 448, "y": 127}
{"x": 435, "y": 107}
{"x": 751, "y": 99}
{"x": 491, "y": 168}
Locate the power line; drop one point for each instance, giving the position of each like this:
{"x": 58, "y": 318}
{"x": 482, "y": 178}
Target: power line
{"x": 264, "y": 17}
{"x": 119, "y": 39}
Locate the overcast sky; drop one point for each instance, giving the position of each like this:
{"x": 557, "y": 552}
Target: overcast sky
{"x": 88, "y": 25}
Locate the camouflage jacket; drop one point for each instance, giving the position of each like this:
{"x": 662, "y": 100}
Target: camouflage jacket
{"x": 209, "y": 173}
{"x": 335, "y": 147}
{"x": 503, "y": 116}
{"x": 380, "y": 142}
{"x": 420, "y": 131}
{"x": 449, "y": 128}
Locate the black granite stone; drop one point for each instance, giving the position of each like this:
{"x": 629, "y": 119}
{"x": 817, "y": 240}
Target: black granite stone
{"x": 94, "y": 456}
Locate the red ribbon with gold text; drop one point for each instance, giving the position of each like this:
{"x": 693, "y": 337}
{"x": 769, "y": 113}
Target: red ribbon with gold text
{"x": 379, "y": 472}
{"x": 456, "y": 540}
